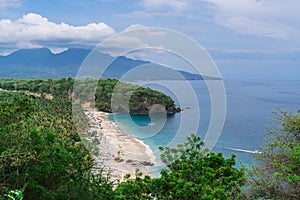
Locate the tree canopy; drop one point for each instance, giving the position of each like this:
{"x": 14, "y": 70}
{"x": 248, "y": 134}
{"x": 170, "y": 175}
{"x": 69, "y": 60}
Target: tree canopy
{"x": 42, "y": 155}
{"x": 277, "y": 174}
{"x": 101, "y": 91}
{"x": 38, "y": 155}
{"x": 193, "y": 173}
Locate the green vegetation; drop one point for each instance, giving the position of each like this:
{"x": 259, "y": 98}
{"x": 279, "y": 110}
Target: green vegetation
{"x": 101, "y": 91}
{"x": 40, "y": 159}
{"x": 14, "y": 195}
{"x": 140, "y": 99}
{"x": 43, "y": 157}
{"x": 59, "y": 88}
{"x": 193, "y": 173}
{"x": 278, "y": 176}
{"x": 38, "y": 155}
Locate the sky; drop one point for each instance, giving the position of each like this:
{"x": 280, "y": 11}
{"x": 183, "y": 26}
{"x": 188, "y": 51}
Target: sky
{"x": 255, "y": 39}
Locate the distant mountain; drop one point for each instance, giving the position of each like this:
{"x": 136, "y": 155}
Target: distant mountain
{"x": 42, "y": 63}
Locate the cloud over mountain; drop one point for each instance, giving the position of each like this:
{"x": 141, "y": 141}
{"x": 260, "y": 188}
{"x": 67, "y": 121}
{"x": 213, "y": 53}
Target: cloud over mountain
{"x": 34, "y": 30}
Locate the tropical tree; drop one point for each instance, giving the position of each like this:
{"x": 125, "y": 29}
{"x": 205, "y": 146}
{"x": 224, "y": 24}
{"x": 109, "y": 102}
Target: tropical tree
{"x": 38, "y": 155}
{"x": 277, "y": 174}
{"x": 193, "y": 173}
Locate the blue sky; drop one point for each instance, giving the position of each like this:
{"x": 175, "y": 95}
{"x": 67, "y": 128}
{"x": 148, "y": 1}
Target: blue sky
{"x": 246, "y": 38}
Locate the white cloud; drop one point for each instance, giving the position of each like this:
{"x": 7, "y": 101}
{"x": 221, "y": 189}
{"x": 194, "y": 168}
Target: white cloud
{"x": 244, "y": 25}
{"x": 135, "y": 26}
{"x": 155, "y": 8}
{"x": 160, "y": 4}
{"x": 33, "y": 30}
{"x": 136, "y": 36}
{"x": 58, "y": 50}
{"x": 269, "y": 18}
{"x": 10, "y": 3}
{"x": 151, "y": 14}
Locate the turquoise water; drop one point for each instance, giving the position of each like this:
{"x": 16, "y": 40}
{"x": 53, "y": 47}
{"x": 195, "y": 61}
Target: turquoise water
{"x": 250, "y": 104}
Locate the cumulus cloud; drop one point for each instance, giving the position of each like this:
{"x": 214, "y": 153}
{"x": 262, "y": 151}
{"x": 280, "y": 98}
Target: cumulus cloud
{"x": 33, "y": 30}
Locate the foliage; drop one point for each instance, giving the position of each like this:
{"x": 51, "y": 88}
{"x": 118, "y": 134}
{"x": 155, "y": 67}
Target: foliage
{"x": 101, "y": 91}
{"x": 14, "y": 195}
{"x": 193, "y": 173}
{"x": 58, "y": 88}
{"x": 42, "y": 156}
{"x": 278, "y": 176}
{"x": 38, "y": 152}
{"x": 134, "y": 189}
{"x": 140, "y": 99}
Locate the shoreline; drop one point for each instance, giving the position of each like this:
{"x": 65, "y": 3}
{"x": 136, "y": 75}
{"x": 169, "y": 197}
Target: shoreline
{"x": 116, "y": 151}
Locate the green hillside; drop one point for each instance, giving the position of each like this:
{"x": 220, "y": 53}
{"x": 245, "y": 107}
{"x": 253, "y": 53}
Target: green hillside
{"x": 101, "y": 91}
{"x": 42, "y": 157}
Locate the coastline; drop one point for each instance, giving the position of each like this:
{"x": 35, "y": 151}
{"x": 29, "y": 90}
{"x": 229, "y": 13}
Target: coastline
{"x": 116, "y": 151}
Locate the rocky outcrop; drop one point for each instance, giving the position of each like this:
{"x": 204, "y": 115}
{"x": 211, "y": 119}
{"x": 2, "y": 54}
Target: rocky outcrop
{"x": 138, "y": 162}
{"x": 145, "y": 110}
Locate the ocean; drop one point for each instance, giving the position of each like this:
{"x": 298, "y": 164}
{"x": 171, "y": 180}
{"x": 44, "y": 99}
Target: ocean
{"x": 250, "y": 104}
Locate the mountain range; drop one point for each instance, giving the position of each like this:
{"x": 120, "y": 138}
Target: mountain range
{"x": 42, "y": 63}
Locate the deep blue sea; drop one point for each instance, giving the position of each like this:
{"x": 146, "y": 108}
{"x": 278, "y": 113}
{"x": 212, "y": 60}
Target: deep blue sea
{"x": 250, "y": 104}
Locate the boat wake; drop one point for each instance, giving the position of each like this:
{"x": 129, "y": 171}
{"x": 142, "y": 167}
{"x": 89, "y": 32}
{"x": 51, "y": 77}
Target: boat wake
{"x": 244, "y": 150}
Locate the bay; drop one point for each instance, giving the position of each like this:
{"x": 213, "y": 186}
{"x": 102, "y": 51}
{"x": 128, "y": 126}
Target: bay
{"x": 250, "y": 104}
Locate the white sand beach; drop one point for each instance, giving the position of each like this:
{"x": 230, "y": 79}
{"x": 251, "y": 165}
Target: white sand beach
{"x": 118, "y": 152}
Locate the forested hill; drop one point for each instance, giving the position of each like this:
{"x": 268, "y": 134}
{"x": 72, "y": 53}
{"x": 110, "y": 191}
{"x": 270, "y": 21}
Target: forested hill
{"x": 140, "y": 98}
{"x": 43, "y": 157}
{"x": 41, "y": 153}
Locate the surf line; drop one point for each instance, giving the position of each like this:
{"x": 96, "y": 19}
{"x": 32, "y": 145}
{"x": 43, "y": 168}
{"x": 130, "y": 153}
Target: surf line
{"x": 244, "y": 150}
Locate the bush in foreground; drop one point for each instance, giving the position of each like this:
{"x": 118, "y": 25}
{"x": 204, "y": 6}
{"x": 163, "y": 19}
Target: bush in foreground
{"x": 277, "y": 175}
{"x": 193, "y": 173}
